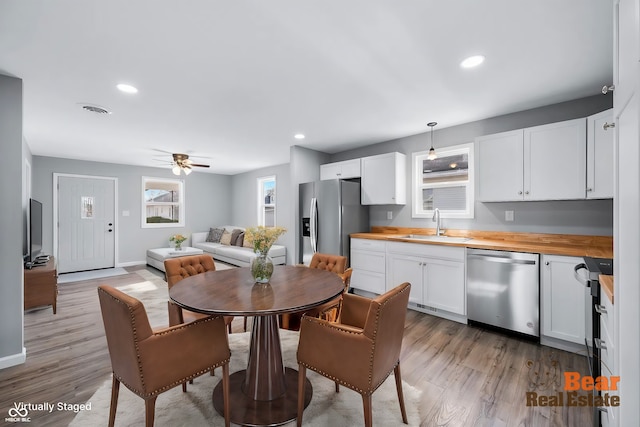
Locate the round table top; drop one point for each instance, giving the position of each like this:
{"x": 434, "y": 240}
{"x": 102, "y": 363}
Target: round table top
{"x": 233, "y": 292}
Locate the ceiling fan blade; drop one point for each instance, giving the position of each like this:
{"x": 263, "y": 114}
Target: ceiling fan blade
{"x": 199, "y": 165}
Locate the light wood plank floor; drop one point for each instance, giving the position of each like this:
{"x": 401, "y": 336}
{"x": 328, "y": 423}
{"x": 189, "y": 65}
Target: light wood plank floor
{"x": 469, "y": 376}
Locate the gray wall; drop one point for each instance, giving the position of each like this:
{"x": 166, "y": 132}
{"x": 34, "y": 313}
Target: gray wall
{"x": 11, "y": 221}
{"x": 244, "y": 202}
{"x": 566, "y": 217}
{"x": 206, "y": 197}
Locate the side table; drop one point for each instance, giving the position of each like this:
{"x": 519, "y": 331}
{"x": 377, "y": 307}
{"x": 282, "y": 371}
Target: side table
{"x": 41, "y": 285}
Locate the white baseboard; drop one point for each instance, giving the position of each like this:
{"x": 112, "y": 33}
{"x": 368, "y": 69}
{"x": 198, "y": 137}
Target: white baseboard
{"x": 130, "y": 263}
{"x": 14, "y": 359}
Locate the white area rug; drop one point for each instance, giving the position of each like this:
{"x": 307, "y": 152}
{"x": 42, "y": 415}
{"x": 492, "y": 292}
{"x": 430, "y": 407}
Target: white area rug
{"x": 195, "y": 408}
{"x": 89, "y": 275}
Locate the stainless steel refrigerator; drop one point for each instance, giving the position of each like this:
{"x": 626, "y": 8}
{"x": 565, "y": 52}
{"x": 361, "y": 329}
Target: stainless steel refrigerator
{"x": 330, "y": 211}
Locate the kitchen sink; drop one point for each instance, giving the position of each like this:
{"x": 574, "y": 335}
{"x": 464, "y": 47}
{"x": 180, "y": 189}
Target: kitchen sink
{"x": 432, "y": 238}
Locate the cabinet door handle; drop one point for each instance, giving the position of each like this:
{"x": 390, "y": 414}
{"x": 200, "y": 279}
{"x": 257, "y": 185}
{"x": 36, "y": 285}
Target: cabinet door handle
{"x": 600, "y": 309}
{"x": 589, "y": 190}
{"x": 600, "y": 344}
{"x": 526, "y": 192}
{"x": 520, "y": 193}
{"x": 606, "y": 89}
{"x": 607, "y": 126}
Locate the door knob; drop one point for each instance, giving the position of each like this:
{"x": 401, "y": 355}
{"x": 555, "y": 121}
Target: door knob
{"x": 606, "y": 125}
{"x": 606, "y": 89}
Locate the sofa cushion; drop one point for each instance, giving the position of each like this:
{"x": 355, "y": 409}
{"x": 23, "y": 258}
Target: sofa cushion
{"x": 207, "y": 246}
{"x": 215, "y": 234}
{"x": 240, "y": 240}
{"x": 240, "y": 254}
{"x": 226, "y": 238}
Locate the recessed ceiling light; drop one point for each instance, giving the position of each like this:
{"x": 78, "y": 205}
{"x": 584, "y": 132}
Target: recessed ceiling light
{"x": 126, "y": 88}
{"x": 298, "y": 136}
{"x": 472, "y": 61}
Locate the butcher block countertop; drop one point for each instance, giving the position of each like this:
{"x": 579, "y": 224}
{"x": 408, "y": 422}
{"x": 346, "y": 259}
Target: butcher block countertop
{"x": 606, "y": 283}
{"x": 551, "y": 244}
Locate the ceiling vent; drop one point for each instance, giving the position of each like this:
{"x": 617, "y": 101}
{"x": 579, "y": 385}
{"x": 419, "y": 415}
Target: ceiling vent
{"x": 95, "y": 109}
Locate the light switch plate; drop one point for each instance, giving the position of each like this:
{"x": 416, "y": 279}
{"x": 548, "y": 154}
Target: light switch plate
{"x": 508, "y": 215}
{"x": 389, "y": 214}
{"x": 125, "y": 213}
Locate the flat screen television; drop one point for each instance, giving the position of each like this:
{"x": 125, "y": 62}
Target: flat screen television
{"x": 35, "y": 230}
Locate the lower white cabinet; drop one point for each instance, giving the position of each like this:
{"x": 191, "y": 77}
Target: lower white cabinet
{"x": 565, "y": 305}
{"x": 436, "y": 274}
{"x": 368, "y": 264}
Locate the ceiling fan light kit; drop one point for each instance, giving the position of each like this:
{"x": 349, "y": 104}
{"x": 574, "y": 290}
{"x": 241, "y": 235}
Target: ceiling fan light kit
{"x": 181, "y": 163}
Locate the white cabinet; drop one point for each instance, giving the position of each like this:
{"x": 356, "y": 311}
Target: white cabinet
{"x": 384, "y": 179}
{"x": 565, "y": 308}
{"x": 368, "y": 261}
{"x": 600, "y": 156}
{"x": 436, "y": 274}
{"x": 340, "y": 170}
{"x": 500, "y": 166}
{"x": 545, "y": 162}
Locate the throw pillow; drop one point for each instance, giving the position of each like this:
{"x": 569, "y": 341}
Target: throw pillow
{"x": 226, "y": 238}
{"x": 234, "y": 236}
{"x": 240, "y": 239}
{"x": 215, "y": 234}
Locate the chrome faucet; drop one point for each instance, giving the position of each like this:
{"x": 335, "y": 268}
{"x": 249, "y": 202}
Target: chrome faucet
{"x": 436, "y": 219}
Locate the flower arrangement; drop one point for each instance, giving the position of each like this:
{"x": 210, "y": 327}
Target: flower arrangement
{"x": 177, "y": 239}
{"x": 263, "y": 237}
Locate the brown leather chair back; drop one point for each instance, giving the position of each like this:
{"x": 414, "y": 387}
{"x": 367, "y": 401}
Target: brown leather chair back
{"x": 150, "y": 362}
{"x": 179, "y": 268}
{"x": 385, "y": 325}
{"x": 329, "y": 262}
{"x": 125, "y": 324}
{"x": 368, "y": 335}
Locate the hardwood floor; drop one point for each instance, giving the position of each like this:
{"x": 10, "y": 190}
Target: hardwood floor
{"x": 469, "y": 376}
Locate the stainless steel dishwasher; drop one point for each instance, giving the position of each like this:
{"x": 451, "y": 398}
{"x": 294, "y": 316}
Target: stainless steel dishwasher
{"x": 503, "y": 290}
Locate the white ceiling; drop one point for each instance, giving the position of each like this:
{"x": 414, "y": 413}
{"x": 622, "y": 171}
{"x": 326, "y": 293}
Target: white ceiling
{"x": 235, "y": 80}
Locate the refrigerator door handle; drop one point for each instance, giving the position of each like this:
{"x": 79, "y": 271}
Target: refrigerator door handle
{"x": 314, "y": 225}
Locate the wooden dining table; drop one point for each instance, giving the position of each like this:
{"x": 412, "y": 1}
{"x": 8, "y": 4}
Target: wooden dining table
{"x": 265, "y": 393}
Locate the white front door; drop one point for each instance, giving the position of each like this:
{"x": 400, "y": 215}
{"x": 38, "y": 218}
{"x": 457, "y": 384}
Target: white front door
{"x": 86, "y": 226}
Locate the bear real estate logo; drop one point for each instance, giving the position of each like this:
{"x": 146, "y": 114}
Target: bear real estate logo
{"x": 571, "y": 396}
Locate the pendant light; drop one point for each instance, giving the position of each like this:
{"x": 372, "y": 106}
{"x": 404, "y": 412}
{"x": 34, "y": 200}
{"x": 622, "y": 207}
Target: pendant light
{"x": 432, "y": 152}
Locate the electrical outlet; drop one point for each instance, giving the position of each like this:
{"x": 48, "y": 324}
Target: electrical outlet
{"x": 508, "y": 215}
{"x": 389, "y": 214}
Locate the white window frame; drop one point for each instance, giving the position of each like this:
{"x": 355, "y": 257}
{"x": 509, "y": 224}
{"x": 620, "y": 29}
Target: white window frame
{"x": 180, "y": 203}
{"x": 262, "y": 205}
{"x": 418, "y": 185}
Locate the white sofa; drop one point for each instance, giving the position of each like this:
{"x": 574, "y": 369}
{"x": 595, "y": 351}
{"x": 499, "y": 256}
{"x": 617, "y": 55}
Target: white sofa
{"x": 236, "y": 255}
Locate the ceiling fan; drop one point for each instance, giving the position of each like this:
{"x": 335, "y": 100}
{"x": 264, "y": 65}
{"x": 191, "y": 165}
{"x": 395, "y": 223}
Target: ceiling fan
{"x": 182, "y": 163}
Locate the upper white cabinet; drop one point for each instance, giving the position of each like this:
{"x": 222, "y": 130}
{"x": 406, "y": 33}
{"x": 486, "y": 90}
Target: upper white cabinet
{"x": 384, "y": 179}
{"x": 545, "y": 162}
{"x": 600, "y": 155}
{"x": 340, "y": 170}
{"x": 500, "y": 166}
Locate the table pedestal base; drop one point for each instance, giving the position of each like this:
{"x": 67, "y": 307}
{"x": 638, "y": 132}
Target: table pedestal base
{"x": 248, "y": 412}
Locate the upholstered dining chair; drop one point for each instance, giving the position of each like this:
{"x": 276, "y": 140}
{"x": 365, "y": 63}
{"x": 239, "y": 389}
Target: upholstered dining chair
{"x": 177, "y": 269}
{"x": 370, "y": 332}
{"x": 150, "y": 362}
{"x": 329, "y": 262}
